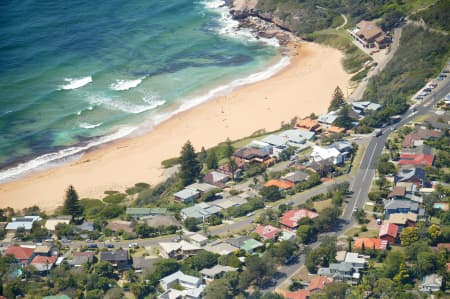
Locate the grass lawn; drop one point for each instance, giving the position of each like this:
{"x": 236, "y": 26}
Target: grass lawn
{"x": 323, "y": 204}
{"x": 435, "y": 220}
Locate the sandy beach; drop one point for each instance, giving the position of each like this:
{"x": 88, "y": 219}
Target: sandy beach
{"x": 305, "y": 86}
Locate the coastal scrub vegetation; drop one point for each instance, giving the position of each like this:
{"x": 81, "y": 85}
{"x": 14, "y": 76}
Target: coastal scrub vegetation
{"x": 437, "y": 15}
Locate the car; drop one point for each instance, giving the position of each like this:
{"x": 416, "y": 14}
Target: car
{"x": 91, "y": 245}
{"x": 133, "y": 245}
{"x": 392, "y": 128}
{"x": 250, "y": 214}
{"x": 419, "y": 97}
{"x": 109, "y": 245}
{"x": 443, "y": 75}
{"x": 355, "y": 209}
{"x": 445, "y": 71}
{"x": 427, "y": 89}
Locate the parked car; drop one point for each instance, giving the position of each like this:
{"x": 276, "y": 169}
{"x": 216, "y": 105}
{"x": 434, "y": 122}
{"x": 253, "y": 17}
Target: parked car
{"x": 92, "y": 246}
{"x": 133, "y": 245}
{"x": 109, "y": 245}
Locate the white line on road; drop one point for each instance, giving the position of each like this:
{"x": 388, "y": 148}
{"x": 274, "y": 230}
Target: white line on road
{"x": 357, "y": 198}
{"x": 370, "y": 160}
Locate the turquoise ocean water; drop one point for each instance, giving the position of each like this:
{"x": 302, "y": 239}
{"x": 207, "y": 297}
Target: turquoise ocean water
{"x": 76, "y": 74}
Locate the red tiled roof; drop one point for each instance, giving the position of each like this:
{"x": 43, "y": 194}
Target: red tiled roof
{"x": 397, "y": 191}
{"x": 291, "y": 218}
{"x": 334, "y": 129}
{"x": 388, "y": 229}
{"x": 308, "y": 124}
{"x": 370, "y": 243}
{"x": 416, "y": 159}
{"x": 318, "y": 283}
{"x": 300, "y": 294}
{"x": 43, "y": 260}
{"x": 20, "y": 253}
{"x": 267, "y": 232}
{"x": 280, "y": 184}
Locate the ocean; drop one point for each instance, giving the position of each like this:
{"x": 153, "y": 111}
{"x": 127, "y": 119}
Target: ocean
{"x": 77, "y": 74}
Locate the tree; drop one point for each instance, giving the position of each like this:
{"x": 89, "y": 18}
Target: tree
{"x": 338, "y": 99}
{"x": 305, "y": 234}
{"x": 434, "y": 232}
{"x": 271, "y": 295}
{"x": 72, "y": 205}
{"x": 190, "y": 166}
{"x": 204, "y": 259}
{"x": 270, "y": 193}
{"x": 409, "y": 235}
{"x": 229, "y": 150}
{"x": 211, "y": 160}
{"x": 327, "y": 219}
{"x": 344, "y": 120}
{"x": 392, "y": 263}
{"x": 191, "y": 224}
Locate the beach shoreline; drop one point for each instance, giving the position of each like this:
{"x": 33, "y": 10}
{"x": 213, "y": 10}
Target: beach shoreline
{"x": 303, "y": 87}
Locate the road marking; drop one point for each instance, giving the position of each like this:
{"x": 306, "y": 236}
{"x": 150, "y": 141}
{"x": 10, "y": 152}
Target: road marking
{"x": 370, "y": 160}
{"x": 357, "y": 198}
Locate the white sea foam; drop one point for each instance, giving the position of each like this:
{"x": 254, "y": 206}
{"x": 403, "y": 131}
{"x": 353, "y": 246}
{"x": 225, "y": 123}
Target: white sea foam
{"x": 51, "y": 159}
{"x": 120, "y": 85}
{"x": 74, "y": 83}
{"x": 127, "y": 107}
{"x": 90, "y": 108}
{"x": 230, "y": 27}
{"x": 85, "y": 125}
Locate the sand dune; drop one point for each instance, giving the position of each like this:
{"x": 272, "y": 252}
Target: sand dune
{"x": 305, "y": 86}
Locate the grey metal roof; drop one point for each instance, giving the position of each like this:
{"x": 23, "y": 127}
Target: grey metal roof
{"x": 186, "y": 193}
{"x": 180, "y": 277}
{"x": 401, "y": 204}
{"x": 114, "y": 256}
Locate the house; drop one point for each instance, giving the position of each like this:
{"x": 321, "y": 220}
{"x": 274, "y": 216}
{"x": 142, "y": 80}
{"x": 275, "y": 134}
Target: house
{"x": 215, "y": 272}
{"x": 186, "y": 195}
{"x": 369, "y": 35}
{"x": 280, "y": 184}
{"x": 143, "y": 212}
{"x": 86, "y": 226}
{"x": 416, "y": 159}
{"x": 431, "y": 283}
{"x": 363, "y": 107}
{"x": 299, "y": 294}
{"x": 197, "y": 239}
{"x": 43, "y": 264}
{"x": 120, "y": 225}
{"x": 336, "y": 130}
{"x": 23, "y": 255}
{"x": 397, "y": 193}
{"x": 251, "y": 245}
{"x": 202, "y": 188}
{"x": 370, "y": 243}
{"x": 308, "y": 124}
{"x": 290, "y": 219}
{"x": 414, "y": 139}
{"x": 329, "y": 118}
{"x": 267, "y": 232}
{"x": 161, "y": 220}
{"x": 342, "y": 146}
{"x": 80, "y": 258}
{"x": 248, "y": 155}
{"x": 320, "y": 153}
{"x": 323, "y": 167}
{"x": 358, "y": 261}
{"x": 188, "y": 282}
{"x": 295, "y": 177}
{"x": 216, "y": 178}
{"x": 388, "y": 232}
{"x": 238, "y": 241}
{"x": 42, "y": 250}
{"x": 178, "y": 250}
{"x": 228, "y": 202}
{"x": 414, "y": 175}
{"x": 26, "y": 222}
{"x": 318, "y": 283}
{"x": 400, "y": 206}
{"x": 51, "y": 223}
{"x": 278, "y": 143}
{"x": 119, "y": 259}
{"x": 221, "y": 248}
{"x": 296, "y": 138}
{"x": 200, "y": 211}
{"x": 340, "y": 272}
{"x": 403, "y": 219}
{"x": 286, "y": 236}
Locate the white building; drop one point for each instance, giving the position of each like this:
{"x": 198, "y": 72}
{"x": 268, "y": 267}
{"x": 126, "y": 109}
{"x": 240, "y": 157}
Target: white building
{"x": 26, "y": 222}
{"x": 431, "y": 283}
{"x": 320, "y": 153}
{"x": 193, "y": 286}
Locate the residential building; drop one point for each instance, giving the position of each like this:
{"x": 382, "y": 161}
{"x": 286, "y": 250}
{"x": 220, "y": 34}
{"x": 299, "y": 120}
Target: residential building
{"x": 397, "y": 193}
{"x": 416, "y": 138}
{"x": 43, "y": 264}
{"x": 363, "y": 107}
{"x": 221, "y": 248}
{"x": 290, "y": 219}
{"x": 431, "y": 283}
{"x": 178, "y": 250}
{"x": 323, "y": 167}
{"x": 197, "y": 239}
{"x": 42, "y": 250}
{"x": 415, "y": 175}
{"x": 318, "y": 283}
{"x": 200, "y": 211}
{"x": 202, "y": 188}
{"x": 356, "y": 260}
{"x": 120, "y": 225}
{"x": 295, "y": 177}
{"x": 403, "y": 219}
{"x": 267, "y": 232}
{"x": 238, "y": 241}
{"x": 251, "y": 245}
{"x": 416, "y": 159}
{"x": 138, "y": 213}
{"x": 336, "y": 130}
{"x": 160, "y": 220}
{"x": 299, "y": 294}
{"x": 86, "y": 226}
{"x": 328, "y": 118}
{"x": 320, "y": 153}
{"x": 308, "y": 124}
{"x": 119, "y": 259}
{"x": 248, "y": 155}
{"x": 216, "y": 178}
{"x": 369, "y": 35}
{"x": 228, "y": 202}
{"x": 277, "y": 143}
{"x": 186, "y": 195}
{"x": 370, "y": 243}
{"x": 215, "y": 272}
{"x": 23, "y": 255}
{"x": 282, "y": 185}
{"x": 340, "y": 272}
{"x": 80, "y": 258}
{"x": 389, "y": 232}
{"x": 297, "y": 138}
{"x": 400, "y": 206}
{"x": 25, "y": 222}
{"x": 179, "y": 278}
{"x": 342, "y": 146}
